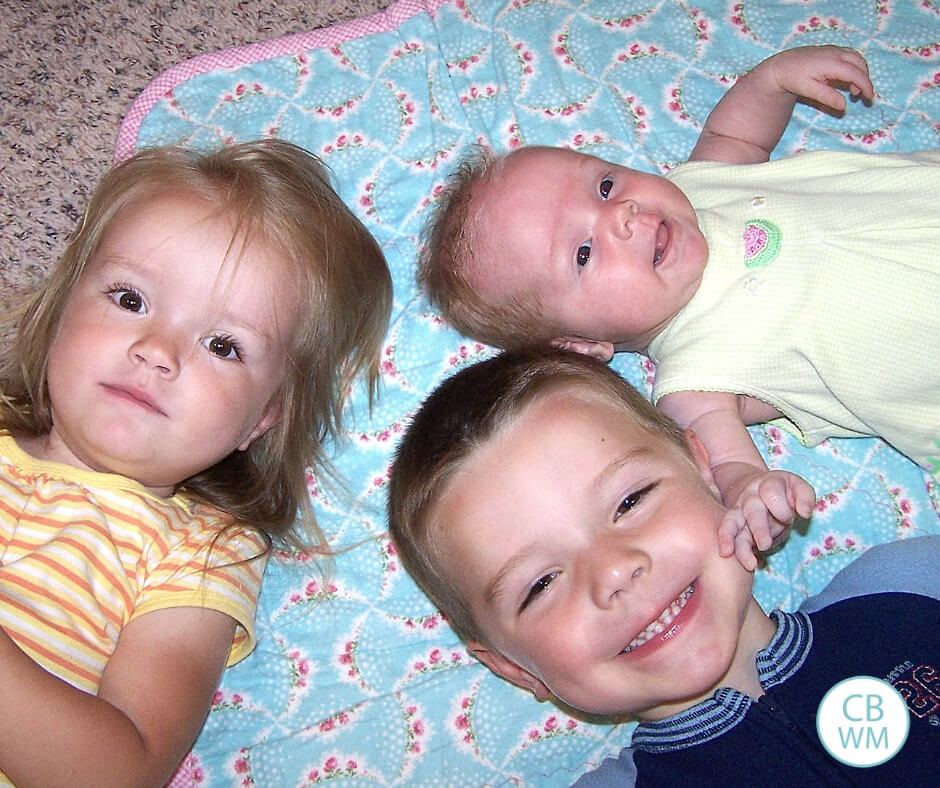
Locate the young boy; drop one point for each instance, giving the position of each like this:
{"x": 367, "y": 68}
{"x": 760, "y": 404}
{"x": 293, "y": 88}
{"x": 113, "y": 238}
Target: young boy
{"x": 804, "y": 288}
{"x": 568, "y": 531}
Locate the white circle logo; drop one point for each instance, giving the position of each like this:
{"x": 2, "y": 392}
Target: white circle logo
{"x": 862, "y": 721}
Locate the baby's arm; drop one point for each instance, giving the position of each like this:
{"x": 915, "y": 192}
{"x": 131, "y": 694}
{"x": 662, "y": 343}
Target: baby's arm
{"x": 761, "y": 503}
{"x": 747, "y": 123}
{"x": 152, "y": 701}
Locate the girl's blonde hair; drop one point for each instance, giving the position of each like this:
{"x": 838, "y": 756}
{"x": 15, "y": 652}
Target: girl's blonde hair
{"x": 279, "y": 194}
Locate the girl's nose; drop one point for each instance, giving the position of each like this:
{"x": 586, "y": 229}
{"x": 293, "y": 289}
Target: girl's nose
{"x": 614, "y": 570}
{"x": 158, "y": 351}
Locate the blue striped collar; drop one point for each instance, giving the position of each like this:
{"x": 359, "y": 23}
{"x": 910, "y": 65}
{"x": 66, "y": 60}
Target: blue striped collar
{"x": 710, "y": 718}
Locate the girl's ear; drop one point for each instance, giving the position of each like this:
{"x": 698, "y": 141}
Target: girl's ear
{"x": 506, "y": 669}
{"x": 603, "y": 351}
{"x": 270, "y": 417}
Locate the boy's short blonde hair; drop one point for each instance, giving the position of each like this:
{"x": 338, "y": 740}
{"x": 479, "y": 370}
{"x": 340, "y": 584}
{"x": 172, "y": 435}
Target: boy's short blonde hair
{"x": 453, "y": 240}
{"x": 464, "y": 414}
{"x": 280, "y": 195}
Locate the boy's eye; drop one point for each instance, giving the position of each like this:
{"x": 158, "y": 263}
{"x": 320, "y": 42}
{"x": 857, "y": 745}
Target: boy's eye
{"x": 584, "y": 255}
{"x": 127, "y": 298}
{"x": 606, "y": 185}
{"x": 631, "y": 501}
{"x": 537, "y": 588}
{"x": 223, "y": 347}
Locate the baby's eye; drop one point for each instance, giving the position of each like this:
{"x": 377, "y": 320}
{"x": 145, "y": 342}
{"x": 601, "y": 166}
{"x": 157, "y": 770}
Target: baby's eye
{"x": 127, "y": 298}
{"x": 584, "y": 255}
{"x": 631, "y": 501}
{"x": 538, "y": 587}
{"x": 223, "y": 347}
{"x": 606, "y": 185}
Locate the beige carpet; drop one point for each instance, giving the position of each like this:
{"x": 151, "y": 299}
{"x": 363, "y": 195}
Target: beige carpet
{"x": 69, "y": 71}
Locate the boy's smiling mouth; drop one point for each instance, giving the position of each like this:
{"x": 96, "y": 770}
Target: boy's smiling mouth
{"x": 663, "y": 622}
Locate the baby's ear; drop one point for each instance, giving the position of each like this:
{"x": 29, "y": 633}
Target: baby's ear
{"x": 603, "y": 351}
{"x": 507, "y": 669}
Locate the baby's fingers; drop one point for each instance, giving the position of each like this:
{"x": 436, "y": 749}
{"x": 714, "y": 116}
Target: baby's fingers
{"x": 759, "y": 522}
{"x": 802, "y": 496}
{"x": 731, "y": 525}
{"x": 856, "y": 75}
{"x": 825, "y": 95}
{"x": 744, "y": 550}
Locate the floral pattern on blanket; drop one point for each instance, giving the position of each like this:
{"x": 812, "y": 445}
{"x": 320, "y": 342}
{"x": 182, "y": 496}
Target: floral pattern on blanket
{"x": 356, "y": 678}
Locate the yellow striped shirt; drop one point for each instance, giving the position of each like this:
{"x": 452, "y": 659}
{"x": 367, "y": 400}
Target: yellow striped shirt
{"x": 84, "y": 553}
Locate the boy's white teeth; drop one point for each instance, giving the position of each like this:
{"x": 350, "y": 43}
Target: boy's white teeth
{"x": 661, "y": 624}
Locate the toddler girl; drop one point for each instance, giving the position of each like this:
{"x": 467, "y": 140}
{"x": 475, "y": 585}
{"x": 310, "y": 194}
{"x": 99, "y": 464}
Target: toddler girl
{"x": 162, "y": 398}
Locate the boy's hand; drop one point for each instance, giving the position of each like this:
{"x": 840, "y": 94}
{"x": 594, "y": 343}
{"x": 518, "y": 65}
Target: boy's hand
{"x": 761, "y": 516}
{"x": 820, "y": 74}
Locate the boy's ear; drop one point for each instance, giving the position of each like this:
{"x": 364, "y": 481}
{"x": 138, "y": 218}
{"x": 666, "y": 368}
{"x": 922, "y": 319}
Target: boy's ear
{"x": 507, "y": 669}
{"x": 603, "y": 351}
{"x": 700, "y": 456}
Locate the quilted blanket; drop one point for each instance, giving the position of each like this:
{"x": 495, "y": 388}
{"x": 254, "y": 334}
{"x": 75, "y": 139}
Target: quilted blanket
{"x": 357, "y": 679}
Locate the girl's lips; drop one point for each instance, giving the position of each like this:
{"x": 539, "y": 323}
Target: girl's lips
{"x": 133, "y": 395}
{"x": 667, "y": 626}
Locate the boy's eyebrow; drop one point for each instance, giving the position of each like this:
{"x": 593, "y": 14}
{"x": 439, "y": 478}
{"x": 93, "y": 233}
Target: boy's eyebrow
{"x": 640, "y": 455}
{"x": 495, "y": 589}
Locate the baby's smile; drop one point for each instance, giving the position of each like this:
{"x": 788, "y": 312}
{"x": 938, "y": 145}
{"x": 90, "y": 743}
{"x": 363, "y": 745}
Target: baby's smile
{"x": 662, "y": 241}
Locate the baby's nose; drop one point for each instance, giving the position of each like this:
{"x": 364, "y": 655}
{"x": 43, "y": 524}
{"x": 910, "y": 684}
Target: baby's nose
{"x": 626, "y": 211}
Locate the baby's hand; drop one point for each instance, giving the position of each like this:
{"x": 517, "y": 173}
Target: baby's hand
{"x": 763, "y": 513}
{"x": 819, "y": 73}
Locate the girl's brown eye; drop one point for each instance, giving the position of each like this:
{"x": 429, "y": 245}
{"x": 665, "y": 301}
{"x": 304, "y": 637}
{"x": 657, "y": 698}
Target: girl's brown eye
{"x": 606, "y": 185}
{"x": 126, "y": 298}
{"x": 223, "y": 347}
{"x": 130, "y": 301}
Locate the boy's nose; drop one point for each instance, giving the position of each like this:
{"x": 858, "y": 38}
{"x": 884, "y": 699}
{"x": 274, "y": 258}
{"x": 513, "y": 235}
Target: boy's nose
{"x": 614, "y": 570}
{"x": 156, "y": 350}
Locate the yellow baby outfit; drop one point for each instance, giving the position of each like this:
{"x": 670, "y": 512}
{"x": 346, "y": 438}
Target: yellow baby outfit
{"x": 821, "y": 295}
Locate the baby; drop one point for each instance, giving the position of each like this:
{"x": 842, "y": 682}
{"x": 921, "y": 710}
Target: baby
{"x": 590, "y": 573}
{"x": 167, "y": 389}
{"x": 802, "y": 290}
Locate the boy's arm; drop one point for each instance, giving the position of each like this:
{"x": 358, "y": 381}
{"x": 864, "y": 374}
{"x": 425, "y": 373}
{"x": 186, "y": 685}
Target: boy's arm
{"x": 747, "y": 123}
{"x": 152, "y": 701}
{"x": 761, "y": 503}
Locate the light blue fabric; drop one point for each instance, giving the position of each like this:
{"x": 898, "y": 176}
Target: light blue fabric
{"x": 360, "y": 680}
